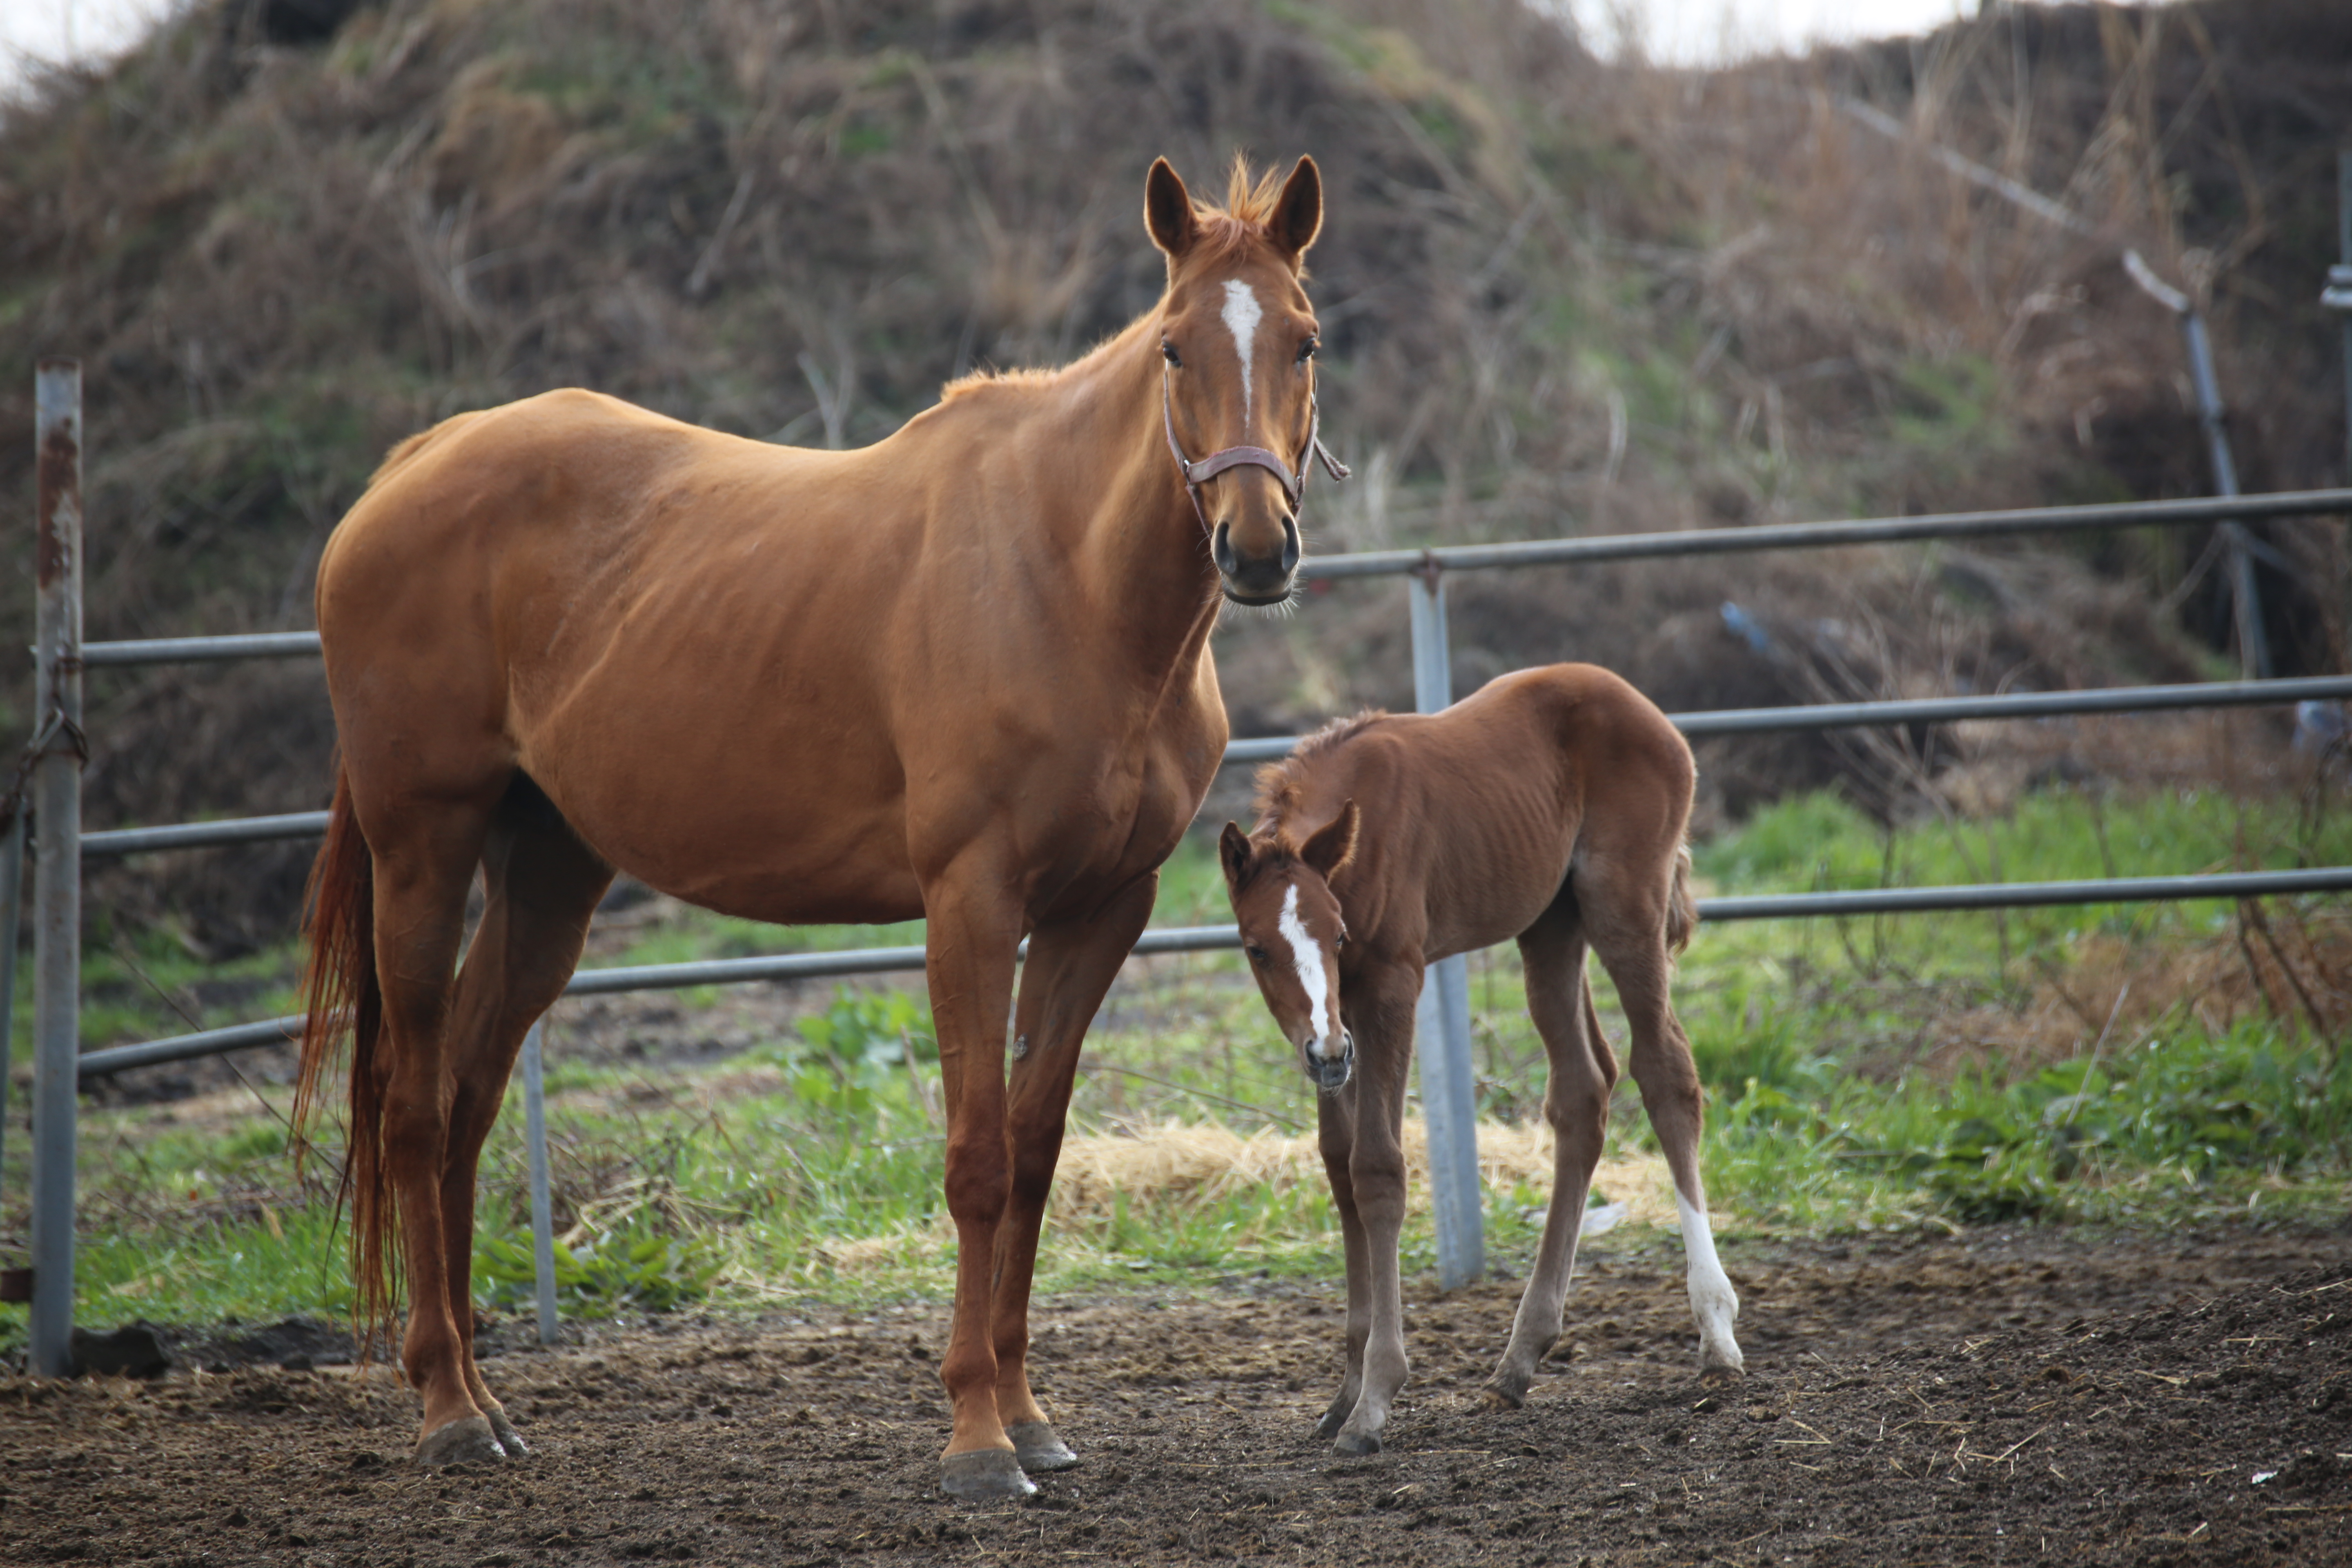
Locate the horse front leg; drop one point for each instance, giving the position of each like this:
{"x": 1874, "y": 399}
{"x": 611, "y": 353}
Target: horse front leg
{"x": 1383, "y": 998}
{"x": 1576, "y": 1104}
{"x": 973, "y": 936}
{"x": 1071, "y": 965}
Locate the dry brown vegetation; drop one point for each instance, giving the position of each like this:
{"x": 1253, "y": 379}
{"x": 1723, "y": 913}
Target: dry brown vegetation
{"x": 1556, "y": 296}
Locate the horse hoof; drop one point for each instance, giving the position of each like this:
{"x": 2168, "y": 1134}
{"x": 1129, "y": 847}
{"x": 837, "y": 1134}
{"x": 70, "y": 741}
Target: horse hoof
{"x": 1357, "y": 1445}
{"x": 1721, "y": 1376}
{"x": 985, "y": 1475}
{"x": 467, "y": 1440}
{"x": 1497, "y": 1396}
{"x": 508, "y": 1439}
{"x": 1039, "y": 1447}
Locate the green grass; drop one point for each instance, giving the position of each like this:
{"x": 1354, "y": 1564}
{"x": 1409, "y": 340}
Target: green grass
{"x": 812, "y": 1166}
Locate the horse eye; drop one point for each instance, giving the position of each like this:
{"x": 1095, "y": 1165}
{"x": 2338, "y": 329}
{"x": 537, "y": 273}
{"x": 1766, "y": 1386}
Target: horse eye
{"x": 1307, "y": 348}
{"x": 1256, "y": 954}
{"x": 1168, "y": 353}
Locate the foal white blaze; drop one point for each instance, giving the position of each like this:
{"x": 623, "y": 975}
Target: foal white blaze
{"x": 1713, "y": 1301}
{"x": 1307, "y": 958}
{"x": 1242, "y": 316}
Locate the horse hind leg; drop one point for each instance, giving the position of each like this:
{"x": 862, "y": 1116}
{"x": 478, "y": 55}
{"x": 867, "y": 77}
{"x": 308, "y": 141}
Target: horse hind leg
{"x": 1626, "y": 920}
{"x": 543, "y": 886}
{"x": 423, "y": 857}
{"x": 1576, "y": 1103}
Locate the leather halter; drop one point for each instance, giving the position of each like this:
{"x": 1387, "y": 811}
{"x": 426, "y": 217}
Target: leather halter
{"x": 1294, "y": 484}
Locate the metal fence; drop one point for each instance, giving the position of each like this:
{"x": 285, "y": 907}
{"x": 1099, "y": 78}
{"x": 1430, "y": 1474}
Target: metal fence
{"x": 1446, "y": 1079}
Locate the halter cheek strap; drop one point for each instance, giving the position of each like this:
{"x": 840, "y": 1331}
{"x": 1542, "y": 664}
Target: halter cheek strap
{"x": 1294, "y": 483}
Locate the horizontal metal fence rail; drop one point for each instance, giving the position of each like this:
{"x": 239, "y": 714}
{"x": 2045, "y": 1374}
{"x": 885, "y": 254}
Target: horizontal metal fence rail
{"x": 1210, "y": 939}
{"x": 1717, "y": 721}
{"x": 200, "y": 650}
{"x": 1822, "y": 535}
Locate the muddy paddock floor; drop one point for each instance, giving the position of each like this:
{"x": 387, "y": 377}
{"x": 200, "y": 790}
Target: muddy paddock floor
{"x": 1999, "y": 1397}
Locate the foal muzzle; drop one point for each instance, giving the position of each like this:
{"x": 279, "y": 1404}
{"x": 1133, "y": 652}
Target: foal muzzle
{"x": 1331, "y": 1073}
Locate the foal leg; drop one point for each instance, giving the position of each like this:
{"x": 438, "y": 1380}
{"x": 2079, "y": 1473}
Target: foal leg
{"x": 1071, "y": 965}
{"x": 1381, "y": 1015}
{"x": 1576, "y": 1103}
{"x": 1335, "y": 1127}
{"x": 1628, "y": 931}
{"x": 543, "y": 886}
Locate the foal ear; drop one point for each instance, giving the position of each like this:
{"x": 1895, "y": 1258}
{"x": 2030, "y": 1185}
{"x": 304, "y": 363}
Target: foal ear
{"x": 1168, "y": 210}
{"x": 1233, "y": 853}
{"x": 1334, "y": 842}
{"x": 1298, "y": 210}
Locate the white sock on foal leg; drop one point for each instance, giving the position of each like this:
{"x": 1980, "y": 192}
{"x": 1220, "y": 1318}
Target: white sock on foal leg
{"x": 1713, "y": 1301}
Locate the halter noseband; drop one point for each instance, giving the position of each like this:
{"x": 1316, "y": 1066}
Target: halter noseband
{"x": 1294, "y": 484}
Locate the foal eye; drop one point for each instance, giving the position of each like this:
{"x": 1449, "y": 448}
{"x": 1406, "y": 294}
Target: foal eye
{"x": 1168, "y": 353}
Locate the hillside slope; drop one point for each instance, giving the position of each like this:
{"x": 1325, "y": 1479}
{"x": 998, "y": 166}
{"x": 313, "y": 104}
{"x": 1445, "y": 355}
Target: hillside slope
{"x": 1556, "y": 296}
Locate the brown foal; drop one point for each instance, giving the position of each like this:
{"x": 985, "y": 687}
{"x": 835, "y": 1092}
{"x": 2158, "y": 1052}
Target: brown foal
{"x": 962, "y": 674}
{"x": 1549, "y": 806}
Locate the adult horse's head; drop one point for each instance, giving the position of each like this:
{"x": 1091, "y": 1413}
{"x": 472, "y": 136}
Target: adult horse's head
{"x": 1292, "y": 931}
{"x": 1239, "y": 338}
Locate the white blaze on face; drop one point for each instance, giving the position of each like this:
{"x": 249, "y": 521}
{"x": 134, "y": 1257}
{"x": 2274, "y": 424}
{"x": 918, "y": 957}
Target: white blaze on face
{"x": 1307, "y": 957}
{"x": 1242, "y": 317}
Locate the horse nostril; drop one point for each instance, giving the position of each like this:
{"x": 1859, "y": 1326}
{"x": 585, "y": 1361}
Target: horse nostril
{"x": 1221, "y": 548}
{"x": 1290, "y": 547}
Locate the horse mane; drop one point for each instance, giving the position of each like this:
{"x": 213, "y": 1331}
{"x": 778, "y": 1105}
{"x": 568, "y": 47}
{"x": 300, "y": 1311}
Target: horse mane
{"x": 1250, "y": 198}
{"x": 1280, "y": 785}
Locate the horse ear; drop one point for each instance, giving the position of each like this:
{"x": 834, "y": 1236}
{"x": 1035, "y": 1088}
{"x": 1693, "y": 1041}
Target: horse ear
{"x": 1334, "y": 842}
{"x": 1298, "y": 211}
{"x": 1168, "y": 210}
{"x": 1234, "y": 853}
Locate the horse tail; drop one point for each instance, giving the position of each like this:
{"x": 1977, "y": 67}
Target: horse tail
{"x": 1681, "y": 914}
{"x": 339, "y": 993}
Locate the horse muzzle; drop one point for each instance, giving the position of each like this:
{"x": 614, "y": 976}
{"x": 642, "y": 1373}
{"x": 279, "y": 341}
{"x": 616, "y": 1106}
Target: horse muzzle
{"x": 1256, "y": 580}
{"x": 1330, "y": 1072}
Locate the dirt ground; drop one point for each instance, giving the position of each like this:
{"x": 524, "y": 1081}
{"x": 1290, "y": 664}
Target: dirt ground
{"x": 1998, "y": 1398}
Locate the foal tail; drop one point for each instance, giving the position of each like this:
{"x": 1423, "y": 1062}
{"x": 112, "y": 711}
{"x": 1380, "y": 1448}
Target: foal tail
{"x": 1682, "y": 914}
{"x": 339, "y": 992}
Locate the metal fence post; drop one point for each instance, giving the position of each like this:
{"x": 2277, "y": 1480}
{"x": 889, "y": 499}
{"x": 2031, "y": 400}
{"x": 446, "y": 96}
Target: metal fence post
{"x": 1448, "y": 1097}
{"x": 542, "y": 1208}
{"x": 57, "y": 751}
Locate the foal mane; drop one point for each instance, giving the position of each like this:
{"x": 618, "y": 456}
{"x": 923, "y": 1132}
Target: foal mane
{"x": 1223, "y": 232}
{"x": 1281, "y": 784}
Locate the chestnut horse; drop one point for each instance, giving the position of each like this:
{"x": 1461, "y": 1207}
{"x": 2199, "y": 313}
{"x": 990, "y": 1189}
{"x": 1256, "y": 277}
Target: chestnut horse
{"x": 961, "y": 674}
{"x": 1549, "y": 806}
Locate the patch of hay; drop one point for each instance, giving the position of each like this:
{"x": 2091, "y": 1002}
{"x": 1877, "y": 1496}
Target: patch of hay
{"x": 1186, "y": 1160}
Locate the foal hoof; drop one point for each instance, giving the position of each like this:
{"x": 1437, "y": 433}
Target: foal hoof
{"x": 985, "y": 1475}
{"x": 467, "y": 1440}
{"x": 1357, "y": 1444}
{"x": 508, "y": 1439}
{"x": 1039, "y": 1447}
{"x": 1501, "y": 1397}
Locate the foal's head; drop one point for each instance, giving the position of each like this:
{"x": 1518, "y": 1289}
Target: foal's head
{"x": 1239, "y": 338}
{"x": 1292, "y": 931}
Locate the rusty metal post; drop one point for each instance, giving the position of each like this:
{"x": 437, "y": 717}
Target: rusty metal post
{"x": 12, "y": 911}
{"x": 58, "y": 753}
